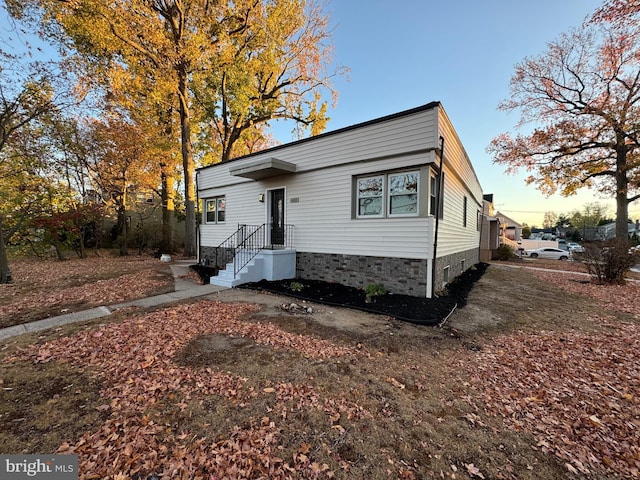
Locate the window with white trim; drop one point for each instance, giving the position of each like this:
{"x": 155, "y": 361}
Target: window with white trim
{"x": 370, "y": 196}
{"x": 403, "y": 193}
{"x": 387, "y": 195}
{"x": 215, "y": 209}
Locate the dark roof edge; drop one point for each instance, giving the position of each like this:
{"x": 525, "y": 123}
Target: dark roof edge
{"x": 392, "y": 116}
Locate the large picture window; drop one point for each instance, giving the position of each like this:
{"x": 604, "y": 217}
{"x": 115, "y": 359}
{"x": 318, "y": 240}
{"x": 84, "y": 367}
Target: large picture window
{"x": 215, "y": 209}
{"x": 370, "y": 196}
{"x": 387, "y": 195}
{"x": 403, "y": 193}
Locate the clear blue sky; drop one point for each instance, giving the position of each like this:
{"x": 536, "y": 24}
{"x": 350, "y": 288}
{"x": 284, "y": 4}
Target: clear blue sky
{"x": 406, "y": 53}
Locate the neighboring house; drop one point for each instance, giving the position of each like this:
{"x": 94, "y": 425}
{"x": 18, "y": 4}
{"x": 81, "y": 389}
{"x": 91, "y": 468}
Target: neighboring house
{"x": 489, "y": 230}
{"x": 608, "y": 231}
{"x": 355, "y": 206}
{"x": 143, "y": 217}
{"x": 543, "y": 234}
{"x": 510, "y": 229}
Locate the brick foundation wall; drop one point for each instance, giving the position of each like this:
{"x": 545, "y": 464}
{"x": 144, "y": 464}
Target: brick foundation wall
{"x": 209, "y": 254}
{"x": 454, "y": 261}
{"x": 398, "y": 275}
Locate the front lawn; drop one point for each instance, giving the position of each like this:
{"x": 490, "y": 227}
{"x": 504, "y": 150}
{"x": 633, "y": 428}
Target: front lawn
{"x": 46, "y": 288}
{"x": 527, "y": 381}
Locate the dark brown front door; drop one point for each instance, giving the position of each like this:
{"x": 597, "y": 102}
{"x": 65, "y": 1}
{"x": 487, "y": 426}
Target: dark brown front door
{"x": 277, "y": 216}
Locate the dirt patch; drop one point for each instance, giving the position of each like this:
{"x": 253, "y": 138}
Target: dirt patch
{"x": 41, "y": 406}
{"x": 226, "y": 351}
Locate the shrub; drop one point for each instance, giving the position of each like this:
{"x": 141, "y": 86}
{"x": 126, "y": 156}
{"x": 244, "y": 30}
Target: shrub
{"x": 503, "y": 252}
{"x": 607, "y": 262}
{"x": 296, "y": 286}
{"x": 373, "y": 290}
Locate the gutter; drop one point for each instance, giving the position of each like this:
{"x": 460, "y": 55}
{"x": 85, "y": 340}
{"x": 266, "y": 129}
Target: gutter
{"x": 435, "y": 235}
{"x": 198, "y": 220}
{"x": 481, "y": 220}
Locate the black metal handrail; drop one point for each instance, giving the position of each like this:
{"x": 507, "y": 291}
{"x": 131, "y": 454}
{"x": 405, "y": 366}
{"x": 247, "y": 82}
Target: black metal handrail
{"x": 252, "y": 244}
{"x": 247, "y": 241}
{"x": 225, "y": 252}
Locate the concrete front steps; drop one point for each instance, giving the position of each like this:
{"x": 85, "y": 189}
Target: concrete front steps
{"x": 266, "y": 265}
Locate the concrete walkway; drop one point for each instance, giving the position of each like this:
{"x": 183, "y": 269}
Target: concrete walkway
{"x": 183, "y": 289}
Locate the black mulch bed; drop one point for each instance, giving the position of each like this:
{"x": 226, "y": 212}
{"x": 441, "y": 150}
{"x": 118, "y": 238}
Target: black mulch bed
{"x": 204, "y": 272}
{"x": 423, "y": 311}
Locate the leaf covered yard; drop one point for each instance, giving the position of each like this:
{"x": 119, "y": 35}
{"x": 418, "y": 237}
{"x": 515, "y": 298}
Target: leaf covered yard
{"x": 142, "y": 380}
{"x": 577, "y": 393}
{"x": 232, "y": 387}
{"x": 44, "y": 288}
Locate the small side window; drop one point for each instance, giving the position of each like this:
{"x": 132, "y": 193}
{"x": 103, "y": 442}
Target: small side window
{"x": 464, "y": 212}
{"x": 221, "y": 209}
{"x": 215, "y": 210}
{"x": 434, "y": 186}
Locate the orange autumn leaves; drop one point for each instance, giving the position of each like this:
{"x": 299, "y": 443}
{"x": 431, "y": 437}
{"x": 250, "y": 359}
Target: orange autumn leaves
{"x": 136, "y": 360}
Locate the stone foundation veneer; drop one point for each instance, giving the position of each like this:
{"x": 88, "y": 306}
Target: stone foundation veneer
{"x": 398, "y": 275}
{"x": 209, "y": 254}
{"x": 454, "y": 261}
{"x": 407, "y": 276}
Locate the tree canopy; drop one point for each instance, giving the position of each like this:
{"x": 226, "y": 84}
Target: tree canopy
{"x": 28, "y": 101}
{"x": 582, "y": 99}
{"x": 223, "y": 68}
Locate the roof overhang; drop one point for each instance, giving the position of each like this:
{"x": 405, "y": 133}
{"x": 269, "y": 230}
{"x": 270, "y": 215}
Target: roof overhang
{"x": 258, "y": 169}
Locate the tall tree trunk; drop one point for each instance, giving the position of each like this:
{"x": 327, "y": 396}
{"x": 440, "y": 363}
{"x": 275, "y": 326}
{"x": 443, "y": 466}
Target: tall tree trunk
{"x": 83, "y": 234}
{"x": 188, "y": 166}
{"x": 58, "y": 249}
{"x": 622, "y": 204}
{"x": 122, "y": 227}
{"x": 166, "y": 244}
{"x": 5, "y": 275}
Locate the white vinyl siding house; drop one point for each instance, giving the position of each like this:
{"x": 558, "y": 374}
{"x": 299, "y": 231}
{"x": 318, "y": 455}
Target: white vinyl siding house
{"x": 359, "y": 201}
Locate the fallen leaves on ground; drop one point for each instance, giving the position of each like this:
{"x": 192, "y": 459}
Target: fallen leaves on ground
{"x": 193, "y": 277}
{"x": 622, "y": 298}
{"x": 136, "y": 359}
{"x": 577, "y": 392}
{"x": 42, "y": 286}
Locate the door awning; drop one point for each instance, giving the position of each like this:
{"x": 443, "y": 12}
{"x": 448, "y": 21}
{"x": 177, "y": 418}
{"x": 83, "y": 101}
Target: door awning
{"x": 268, "y": 167}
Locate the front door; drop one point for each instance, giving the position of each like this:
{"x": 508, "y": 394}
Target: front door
{"x": 276, "y": 207}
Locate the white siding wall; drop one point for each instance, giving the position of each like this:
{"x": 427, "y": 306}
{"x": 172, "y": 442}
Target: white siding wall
{"x": 398, "y": 136}
{"x": 323, "y": 186}
{"x": 322, "y": 214}
{"x": 460, "y": 181}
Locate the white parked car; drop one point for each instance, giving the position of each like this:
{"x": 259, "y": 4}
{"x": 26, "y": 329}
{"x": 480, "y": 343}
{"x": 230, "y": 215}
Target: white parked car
{"x": 547, "y": 252}
{"x": 575, "y": 247}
